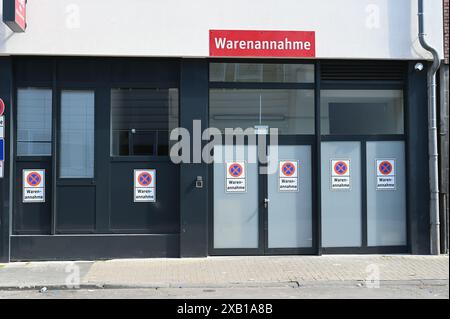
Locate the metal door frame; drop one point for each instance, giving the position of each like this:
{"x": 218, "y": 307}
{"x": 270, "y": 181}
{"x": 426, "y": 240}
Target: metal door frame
{"x": 295, "y": 140}
{"x": 263, "y": 248}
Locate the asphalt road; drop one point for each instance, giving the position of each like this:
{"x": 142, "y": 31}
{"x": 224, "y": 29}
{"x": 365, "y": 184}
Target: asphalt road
{"x": 339, "y": 290}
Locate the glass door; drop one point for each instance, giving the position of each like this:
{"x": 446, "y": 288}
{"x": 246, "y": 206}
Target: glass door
{"x": 236, "y": 199}
{"x": 290, "y": 205}
{"x": 263, "y": 209}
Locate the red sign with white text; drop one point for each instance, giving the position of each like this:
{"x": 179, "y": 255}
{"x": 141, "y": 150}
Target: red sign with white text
{"x": 21, "y": 14}
{"x": 251, "y": 43}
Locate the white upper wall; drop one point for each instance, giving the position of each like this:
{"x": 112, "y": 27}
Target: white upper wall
{"x": 356, "y": 29}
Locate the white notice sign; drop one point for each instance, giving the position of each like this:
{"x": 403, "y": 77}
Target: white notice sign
{"x": 145, "y": 185}
{"x": 340, "y": 175}
{"x": 385, "y": 174}
{"x": 288, "y": 176}
{"x": 2, "y": 127}
{"x": 235, "y": 177}
{"x": 33, "y": 185}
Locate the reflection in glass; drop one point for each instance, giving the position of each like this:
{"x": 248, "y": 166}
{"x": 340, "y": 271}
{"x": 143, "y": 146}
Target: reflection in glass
{"x": 77, "y": 134}
{"x": 34, "y": 122}
{"x": 361, "y": 112}
{"x": 258, "y": 72}
{"x": 291, "y": 111}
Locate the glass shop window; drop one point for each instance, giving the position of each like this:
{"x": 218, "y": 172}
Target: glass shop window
{"x": 289, "y": 110}
{"x": 261, "y": 72}
{"x": 77, "y": 134}
{"x": 362, "y": 112}
{"x": 34, "y": 122}
{"x": 141, "y": 121}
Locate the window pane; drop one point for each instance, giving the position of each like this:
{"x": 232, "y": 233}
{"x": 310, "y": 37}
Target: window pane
{"x": 34, "y": 122}
{"x": 257, "y": 72}
{"x": 361, "y": 112}
{"x": 142, "y": 120}
{"x": 77, "y": 134}
{"x": 291, "y": 111}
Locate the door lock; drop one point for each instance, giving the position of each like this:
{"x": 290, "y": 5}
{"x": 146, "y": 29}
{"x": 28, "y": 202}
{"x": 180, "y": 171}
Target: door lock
{"x": 199, "y": 182}
{"x": 266, "y": 202}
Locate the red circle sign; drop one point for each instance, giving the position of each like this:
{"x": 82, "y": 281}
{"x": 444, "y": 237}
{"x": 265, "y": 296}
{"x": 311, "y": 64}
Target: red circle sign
{"x": 2, "y": 107}
{"x": 288, "y": 169}
{"x": 34, "y": 179}
{"x": 340, "y": 168}
{"x": 144, "y": 179}
{"x": 385, "y": 167}
{"x": 235, "y": 170}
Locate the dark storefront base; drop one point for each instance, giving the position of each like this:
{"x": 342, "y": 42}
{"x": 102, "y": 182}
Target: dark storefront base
{"x": 89, "y": 247}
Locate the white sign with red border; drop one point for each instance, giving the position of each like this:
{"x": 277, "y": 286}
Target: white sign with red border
{"x": 145, "y": 185}
{"x": 236, "y": 181}
{"x": 385, "y": 174}
{"x": 33, "y": 185}
{"x": 340, "y": 174}
{"x": 288, "y": 176}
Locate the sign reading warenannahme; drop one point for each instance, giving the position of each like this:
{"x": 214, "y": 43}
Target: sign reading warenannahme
{"x": 385, "y": 174}
{"x": 33, "y": 185}
{"x": 250, "y": 43}
{"x": 288, "y": 176}
{"x": 340, "y": 174}
{"x": 145, "y": 185}
{"x": 235, "y": 181}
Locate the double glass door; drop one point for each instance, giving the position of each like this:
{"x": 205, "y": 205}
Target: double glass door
{"x": 263, "y": 208}
{"x": 363, "y": 195}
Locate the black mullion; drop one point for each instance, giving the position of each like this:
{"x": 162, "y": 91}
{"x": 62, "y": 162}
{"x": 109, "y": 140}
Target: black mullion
{"x": 406, "y": 142}
{"x": 363, "y": 194}
{"x": 55, "y": 139}
{"x": 317, "y": 159}
{"x": 264, "y": 193}
{"x": 211, "y": 209}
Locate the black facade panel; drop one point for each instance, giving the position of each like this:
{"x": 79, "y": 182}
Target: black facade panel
{"x": 67, "y": 247}
{"x": 417, "y": 161}
{"x": 32, "y": 218}
{"x": 33, "y": 70}
{"x": 146, "y": 71}
{"x": 73, "y": 214}
{"x": 82, "y": 70}
{"x": 156, "y": 218}
{"x": 363, "y": 70}
{"x": 194, "y": 201}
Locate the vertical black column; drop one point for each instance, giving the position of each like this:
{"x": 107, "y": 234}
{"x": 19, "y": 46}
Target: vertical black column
{"x": 6, "y": 93}
{"x": 417, "y": 161}
{"x": 193, "y": 201}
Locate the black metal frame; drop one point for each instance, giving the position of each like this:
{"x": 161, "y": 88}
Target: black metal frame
{"x": 363, "y": 139}
{"x": 101, "y": 91}
{"x": 192, "y": 226}
{"x": 315, "y": 141}
{"x": 309, "y": 140}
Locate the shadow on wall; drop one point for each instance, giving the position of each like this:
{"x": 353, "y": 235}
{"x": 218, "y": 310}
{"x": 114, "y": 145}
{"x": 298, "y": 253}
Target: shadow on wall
{"x": 5, "y": 33}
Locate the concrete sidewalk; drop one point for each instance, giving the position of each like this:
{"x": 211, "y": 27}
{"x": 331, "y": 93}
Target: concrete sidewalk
{"x": 271, "y": 271}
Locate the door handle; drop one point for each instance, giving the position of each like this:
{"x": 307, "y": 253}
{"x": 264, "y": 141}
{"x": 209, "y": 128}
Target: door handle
{"x": 266, "y": 202}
